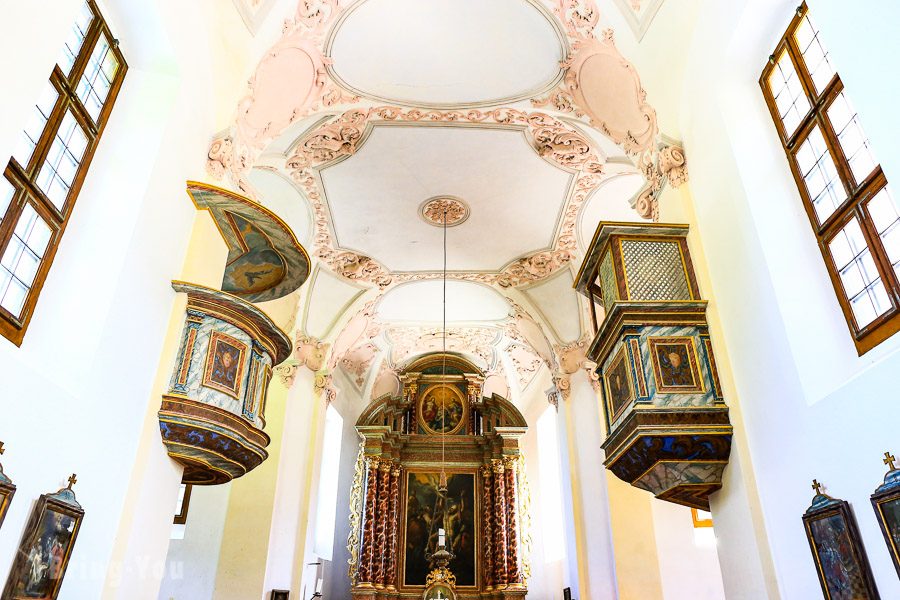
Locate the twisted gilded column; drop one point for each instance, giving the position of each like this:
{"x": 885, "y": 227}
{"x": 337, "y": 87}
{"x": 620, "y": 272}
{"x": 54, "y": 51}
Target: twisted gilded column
{"x": 368, "y": 542}
{"x": 381, "y": 523}
{"x": 501, "y": 577}
{"x": 512, "y": 521}
{"x": 391, "y": 564}
{"x": 487, "y": 527}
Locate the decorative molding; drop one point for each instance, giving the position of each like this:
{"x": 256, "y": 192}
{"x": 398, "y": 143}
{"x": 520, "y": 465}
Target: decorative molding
{"x": 253, "y": 12}
{"x": 555, "y": 141}
{"x": 323, "y": 387}
{"x": 310, "y": 352}
{"x": 639, "y": 14}
{"x": 287, "y": 372}
{"x": 433, "y": 210}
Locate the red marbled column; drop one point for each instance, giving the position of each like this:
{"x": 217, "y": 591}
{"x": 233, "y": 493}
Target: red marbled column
{"x": 487, "y": 507}
{"x": 391, "y": 565}
{"x": 501, "y": 577}
{"x": 381, "y": 523}
{"x": 512, "y": 522}
{"x": 368, "y": 533}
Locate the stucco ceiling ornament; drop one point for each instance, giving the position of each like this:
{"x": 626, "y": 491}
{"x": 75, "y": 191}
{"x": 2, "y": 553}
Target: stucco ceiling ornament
{"x": 287, "y": 372}
{"x": 451, "y": 208}
{"x": 296, "y": 62}
{"x": 359, "y": 330}
{"x": 667, "y": 165}
{"x": 525, "y": 362}
{"x": 410, "y": 341}
{"x": 324, "y": 387}
{"x": 310, "y": 352}
{"x": 555, "y": 141}
{"x": 604, "y": 87}
{"x": 357, "y": 362}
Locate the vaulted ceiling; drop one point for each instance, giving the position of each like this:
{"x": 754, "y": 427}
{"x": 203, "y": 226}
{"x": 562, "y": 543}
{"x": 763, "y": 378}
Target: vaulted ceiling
{"x": 368, "y": 118}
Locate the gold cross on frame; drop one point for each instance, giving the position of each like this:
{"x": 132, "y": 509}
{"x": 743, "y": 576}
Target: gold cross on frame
{"x": 817, "y": 486}
{"x": 72, "y": 480}
{"x": 888, "y": 460}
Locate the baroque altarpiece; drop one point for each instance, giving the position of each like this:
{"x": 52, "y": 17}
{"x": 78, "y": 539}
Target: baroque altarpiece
{"x": 399, "y": 511}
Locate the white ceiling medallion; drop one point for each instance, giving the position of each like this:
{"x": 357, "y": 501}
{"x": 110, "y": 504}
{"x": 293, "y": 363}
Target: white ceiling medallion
{"x": 434, "y": 209}
{"x": 446, "y": 54}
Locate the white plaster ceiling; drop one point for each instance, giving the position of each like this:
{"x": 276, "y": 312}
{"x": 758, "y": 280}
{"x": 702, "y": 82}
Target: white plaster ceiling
{"x": 447, "y": 52}
{"x": 421, "y": 302}
{"x": 279, "y": 194}
{"x": 611, "y": 202}
{"x": 329, "y": 297}
{"x": 515, "y": 196}
{"x": 558, "y": 304}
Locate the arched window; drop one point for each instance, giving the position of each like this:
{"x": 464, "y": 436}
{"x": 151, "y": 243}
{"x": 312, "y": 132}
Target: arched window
{"x": 49, "y": 162}
{"x": 850, "y": 206}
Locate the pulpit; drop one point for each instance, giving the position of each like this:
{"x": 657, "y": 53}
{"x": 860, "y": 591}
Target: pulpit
{"x": 669, "y": 431}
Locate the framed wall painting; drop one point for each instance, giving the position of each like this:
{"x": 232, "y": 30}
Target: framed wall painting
{"x": 886, "y": 502}
{"x": 280, "y": 595}
{"x": 46, "y": 547}
{"x": 426, "y": 510}
{"x": 7, "y": 491}
{"x": 838, "y": 552}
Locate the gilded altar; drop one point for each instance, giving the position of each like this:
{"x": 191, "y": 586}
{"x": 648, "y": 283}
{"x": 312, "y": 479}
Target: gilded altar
{"x": 440, "y": 422}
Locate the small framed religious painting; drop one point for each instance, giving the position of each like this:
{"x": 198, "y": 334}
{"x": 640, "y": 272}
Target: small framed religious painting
{"x": 886, "y": 502}
{"x": 280, "y": 595}
{"x": 7, "y": 491}
{"x": 837, "y": 549}
{"x": 46, "y": 547}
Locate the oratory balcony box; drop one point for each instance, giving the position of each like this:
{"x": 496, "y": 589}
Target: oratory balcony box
{"x": 669, "y": 431}
{"x": 213, "y": 416}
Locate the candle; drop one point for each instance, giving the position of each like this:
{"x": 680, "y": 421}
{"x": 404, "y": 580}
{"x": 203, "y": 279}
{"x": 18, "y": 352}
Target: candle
{"x": 319, "y": 586}
{"x": 441, "y": 540}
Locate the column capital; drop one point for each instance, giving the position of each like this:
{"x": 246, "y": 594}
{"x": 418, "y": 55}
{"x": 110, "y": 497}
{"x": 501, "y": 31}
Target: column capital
{"x": 497, "y": 464}
{"x": 310, "y": 352}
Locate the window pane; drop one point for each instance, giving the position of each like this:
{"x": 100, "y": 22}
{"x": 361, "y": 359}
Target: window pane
{"x": 886, "y": 217}
{"x": 34, "y": 125}
{"x": 859, "y": 275}
{"x": 76, "y": 39}
{"x": 62, "y": 161}
{"x": 98, "y": 75}
{"x": 788, "y": 93}
{"x": 853, "y": 141}
{"x": 7, "y": 191}
{"x": 815, "y": 55}
{"x": 21, "y": 260}
{"x": 820, "y": 174}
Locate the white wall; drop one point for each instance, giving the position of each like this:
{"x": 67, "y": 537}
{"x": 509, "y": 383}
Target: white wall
{"x": 349, "y": 405}
{"x": 193, "y": 559}
{"x": 80, "y": 388}
{"x": 688, "y": 563}
{"x": 810, "y": 407}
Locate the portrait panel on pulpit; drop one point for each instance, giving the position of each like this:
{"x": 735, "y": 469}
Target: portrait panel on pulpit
{"x": 426, "y": 511}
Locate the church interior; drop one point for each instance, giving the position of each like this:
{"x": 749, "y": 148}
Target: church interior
{"x": 449, "y": 299}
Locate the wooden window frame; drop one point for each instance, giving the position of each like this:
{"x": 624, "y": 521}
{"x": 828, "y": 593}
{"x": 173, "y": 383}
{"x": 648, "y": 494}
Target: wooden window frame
{"x": 858, "y": 193}
{"x": 181, "y": 517}
{"x": 24, "y": 177}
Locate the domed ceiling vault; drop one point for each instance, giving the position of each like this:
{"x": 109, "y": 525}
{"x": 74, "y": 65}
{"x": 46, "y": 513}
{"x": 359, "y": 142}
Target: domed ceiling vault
{"x": 520, "y": 117}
